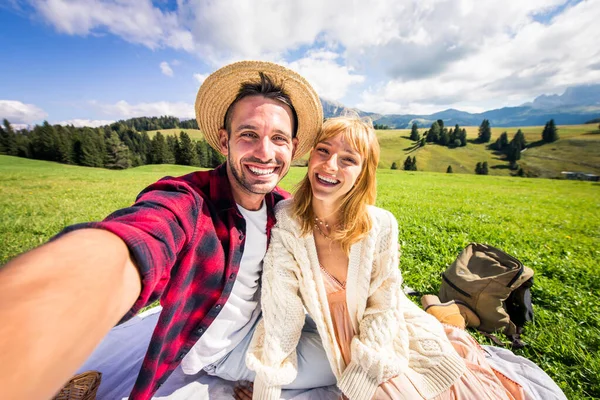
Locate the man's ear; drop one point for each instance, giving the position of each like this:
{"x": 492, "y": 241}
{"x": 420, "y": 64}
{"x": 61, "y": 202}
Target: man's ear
{"x": 295, "y": 146}
{"x": 224, "y": 141}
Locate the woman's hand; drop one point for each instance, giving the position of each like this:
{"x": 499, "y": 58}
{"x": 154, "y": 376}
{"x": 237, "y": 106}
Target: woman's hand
{"x": 243, "y": 390}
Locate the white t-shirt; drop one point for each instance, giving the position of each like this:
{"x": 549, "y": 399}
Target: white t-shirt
{"x": 243, "y": 305}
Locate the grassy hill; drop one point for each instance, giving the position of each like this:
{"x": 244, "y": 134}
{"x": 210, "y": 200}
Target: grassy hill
{"x": 578, "y": 149}
{"x": 195, "y": 134}
{"x": 552, "y": 226}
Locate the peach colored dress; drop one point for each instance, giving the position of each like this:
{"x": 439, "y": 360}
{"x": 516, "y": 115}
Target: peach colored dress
{"x": 480, "y": 381}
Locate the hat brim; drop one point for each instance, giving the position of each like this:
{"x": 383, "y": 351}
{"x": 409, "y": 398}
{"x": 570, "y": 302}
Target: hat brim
{"x": 221, "y": 88}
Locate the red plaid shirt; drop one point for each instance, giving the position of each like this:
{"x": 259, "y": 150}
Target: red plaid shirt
{"x": 186, "y": 237}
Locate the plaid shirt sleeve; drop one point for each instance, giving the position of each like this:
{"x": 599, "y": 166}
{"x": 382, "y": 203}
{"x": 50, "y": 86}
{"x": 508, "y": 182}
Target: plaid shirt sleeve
{"x": 155, "y": 229}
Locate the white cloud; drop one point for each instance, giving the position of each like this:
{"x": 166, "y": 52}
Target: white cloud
{"x": 92, "y": 123}
{"x": 200, "y": 77}
{"x": 410, "y": 55}
{"x": 17, "y": 112}
{"x": 136, "y": 21}
{"x": 506, "y": 68}
{"x": 330, "y": 79}
{"x": 166, "y": 69}
{"x": 124, "y": 110}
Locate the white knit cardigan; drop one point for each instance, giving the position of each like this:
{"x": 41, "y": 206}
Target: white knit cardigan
{"x": 394, "y": 335}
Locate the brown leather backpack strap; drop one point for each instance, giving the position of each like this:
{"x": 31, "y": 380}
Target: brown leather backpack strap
{"x": 493, "y": 338}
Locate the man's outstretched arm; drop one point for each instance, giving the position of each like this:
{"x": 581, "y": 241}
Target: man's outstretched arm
{"x": 57, "y": 302}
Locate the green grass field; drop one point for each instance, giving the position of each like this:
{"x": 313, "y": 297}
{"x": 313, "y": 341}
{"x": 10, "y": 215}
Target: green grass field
{"x": 553, "y": 226}
{"x": 578, "y": 149}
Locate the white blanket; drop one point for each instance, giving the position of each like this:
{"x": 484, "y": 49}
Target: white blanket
{"x": 119, "y": 357}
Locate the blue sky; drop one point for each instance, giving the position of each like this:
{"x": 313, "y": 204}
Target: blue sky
{"x": 91, "y": 61}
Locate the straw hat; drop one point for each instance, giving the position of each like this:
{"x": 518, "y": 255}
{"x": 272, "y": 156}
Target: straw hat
{"x": 220, "y": 89}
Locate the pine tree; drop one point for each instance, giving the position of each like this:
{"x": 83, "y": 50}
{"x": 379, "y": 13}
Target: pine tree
{"x": 159, "y": 149}
{"x": 172, "y": 148}
{"x": 453, "y": 134}
{"x": 186, "y": 151}
{"x": 440, "y": 124}
{"x": 444, "y": 138}
{"x": 513, "y": 153}
{"x": 8, "y": 140}
{"x": 202, "y": 151}
{"x": 414, "y": 132}
{"x": 64, "y": 145}
{"x": 485, "y": 132}
{"x": 449, "y": 169}
{"x": 478, "y": 168}
{"x": 550, "y": 133}
{"x": 434, "y": 133}
{"x": 216, "y": 157}
{"x": 462, "y": 136}
{"x": 413, "y": 166}
{"x": 394, "y": 165}
{"x": 519, "y": 138}
{"x": 504, "y": 140}
{"x": 408, "y": 164}
{"x": 89, "y": 149}
{"x": 484, "y": 168}
{"x": 44, "y": 142}
{"x": 145, "y": 148}
{"x": 117, "y": 154}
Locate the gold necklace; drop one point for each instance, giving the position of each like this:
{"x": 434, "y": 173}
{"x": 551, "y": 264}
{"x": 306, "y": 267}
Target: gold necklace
{"x": 318, "y": 224}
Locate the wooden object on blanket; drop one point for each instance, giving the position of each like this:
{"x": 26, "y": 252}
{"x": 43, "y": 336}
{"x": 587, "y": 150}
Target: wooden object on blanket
{"x": 83, "y": 386}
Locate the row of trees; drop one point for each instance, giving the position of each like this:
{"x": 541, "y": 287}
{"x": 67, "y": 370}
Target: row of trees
{"x": 410, "y": 164}
{"x": 512, "y": 150}
{"x": 380, "y": 127}
{"x": 438, "y": 133}
{"x": 117, "y": 146}
{"x": 141, "y": 124}
{"x": 482, "y": 168}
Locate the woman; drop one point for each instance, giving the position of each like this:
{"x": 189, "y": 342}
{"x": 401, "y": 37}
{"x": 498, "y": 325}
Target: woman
{"x": 335, "y": 254}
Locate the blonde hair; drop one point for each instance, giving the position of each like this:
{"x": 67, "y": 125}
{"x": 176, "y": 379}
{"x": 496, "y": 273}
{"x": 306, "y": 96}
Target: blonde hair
{"x": 353, "y": 209}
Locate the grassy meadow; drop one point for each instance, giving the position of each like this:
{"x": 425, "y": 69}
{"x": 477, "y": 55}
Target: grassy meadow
{"x": 553, "y": 226}
{"x": 578, "y": 149}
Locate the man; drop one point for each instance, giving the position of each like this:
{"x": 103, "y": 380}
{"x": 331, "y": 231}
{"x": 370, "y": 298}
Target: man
{"x": 196, "y": 242}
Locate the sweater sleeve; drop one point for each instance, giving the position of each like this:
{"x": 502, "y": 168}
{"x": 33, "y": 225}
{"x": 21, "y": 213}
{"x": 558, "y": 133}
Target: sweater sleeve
{"x": 272, "y": 352}
{"x": 374, "y": 359}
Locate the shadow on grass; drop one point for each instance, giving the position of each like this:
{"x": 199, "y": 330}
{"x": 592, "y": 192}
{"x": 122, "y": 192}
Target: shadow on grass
{"x": 535, "y": 144}
{"x": 500, "y": 167}
{"x": 591, "y": 133}
{"x": 411, "y": 149}
{"x": 479, "y": 141}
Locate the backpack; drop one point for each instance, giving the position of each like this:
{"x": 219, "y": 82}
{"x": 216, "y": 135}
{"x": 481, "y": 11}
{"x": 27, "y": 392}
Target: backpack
{"x": 494, "y": 285}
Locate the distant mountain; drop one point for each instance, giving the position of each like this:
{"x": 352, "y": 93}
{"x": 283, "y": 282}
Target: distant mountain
{"x": 334, "y": 109}
{"x": 577, "y": 105}
{"x": 573, "y": 97}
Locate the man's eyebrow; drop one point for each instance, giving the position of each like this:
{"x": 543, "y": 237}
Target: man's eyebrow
{"x": 246, "y": 126}
{"x": 254, "y": 128}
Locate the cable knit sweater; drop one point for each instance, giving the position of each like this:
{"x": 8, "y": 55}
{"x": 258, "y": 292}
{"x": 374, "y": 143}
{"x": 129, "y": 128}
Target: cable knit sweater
{"x": 394, "y": 335}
